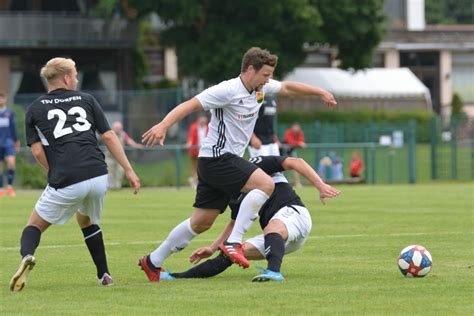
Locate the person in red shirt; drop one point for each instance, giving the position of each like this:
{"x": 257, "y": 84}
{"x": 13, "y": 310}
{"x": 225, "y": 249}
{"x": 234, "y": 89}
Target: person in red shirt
{"x": 294, "y": 137}
{"x": 357, "y": 165}
{"x": 197, "y": 133}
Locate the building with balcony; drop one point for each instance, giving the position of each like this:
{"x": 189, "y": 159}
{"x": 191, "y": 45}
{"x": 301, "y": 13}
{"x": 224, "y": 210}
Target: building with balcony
{"x": 33, "y": 31}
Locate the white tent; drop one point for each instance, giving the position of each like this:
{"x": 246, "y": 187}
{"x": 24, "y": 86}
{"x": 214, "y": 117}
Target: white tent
{"x": 374, "y": 83}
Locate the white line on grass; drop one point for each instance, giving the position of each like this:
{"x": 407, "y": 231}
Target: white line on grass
{"x": 148, "y": 242}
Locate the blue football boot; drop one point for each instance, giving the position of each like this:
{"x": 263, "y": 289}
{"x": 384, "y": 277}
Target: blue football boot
{"x": 268, "y": 275}
{"x": 165, "y": 275}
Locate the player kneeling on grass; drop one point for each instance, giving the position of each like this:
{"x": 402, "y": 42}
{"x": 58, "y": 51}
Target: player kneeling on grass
{"x": 61, "y": 130}
{"x": 284, "y": 219}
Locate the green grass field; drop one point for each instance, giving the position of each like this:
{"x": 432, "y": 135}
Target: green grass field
{"x": 348, "y": 265}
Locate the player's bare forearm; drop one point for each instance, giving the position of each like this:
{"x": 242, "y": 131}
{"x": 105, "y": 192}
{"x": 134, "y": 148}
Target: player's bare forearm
{"x": 293, "y": 88}
{"x": 181, "y": 111}
{"x": 112, "y": 142}
{"x": 304, "y": 169}
{"x": 206, "y": 252}
{"x": 157, "y": 133}
{"x": 223, "y": 235}
{"x": 38, "y": 152}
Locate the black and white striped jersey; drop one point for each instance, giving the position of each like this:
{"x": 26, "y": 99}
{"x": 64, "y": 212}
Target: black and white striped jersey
{"x": 234, "y": 113}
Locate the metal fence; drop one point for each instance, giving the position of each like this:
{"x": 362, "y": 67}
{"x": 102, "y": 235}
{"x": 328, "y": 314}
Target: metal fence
{"x": 452, "y": 149}
{"x": 390, "y": 151}
{"x": 170, "y": 165}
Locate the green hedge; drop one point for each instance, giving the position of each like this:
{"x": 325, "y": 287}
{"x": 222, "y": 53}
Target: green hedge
{"x": 358, "y": 118}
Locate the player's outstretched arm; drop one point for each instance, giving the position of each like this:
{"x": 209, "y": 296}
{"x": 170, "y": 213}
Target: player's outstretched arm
{"x": 38, "y": 152}
{"x": 293, "y": 88}
{"x": 157, "y": 133}
{"x": 205, "y": 252}
{"x": 303, "y": 168}
{"x": 112, "y": 142}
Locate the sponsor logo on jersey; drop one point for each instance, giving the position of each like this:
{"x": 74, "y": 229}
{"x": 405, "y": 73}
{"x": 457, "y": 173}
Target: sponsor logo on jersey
{"x": 242, "y": 117}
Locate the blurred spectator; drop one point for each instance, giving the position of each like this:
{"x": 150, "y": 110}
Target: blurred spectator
{"x": 264, "y": 142}
{"x": 324, "y": 168}
{"x": 337, "y": 170}
{"x": 9, "y": 144}
{"x": 197, "y": 133}
{"x": 357, "y": 165}
{"x": 294, "y": 138}
{"x": 116, "y": 172}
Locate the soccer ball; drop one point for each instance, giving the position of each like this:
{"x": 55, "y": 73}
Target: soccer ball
{"x": 415, "y": 261}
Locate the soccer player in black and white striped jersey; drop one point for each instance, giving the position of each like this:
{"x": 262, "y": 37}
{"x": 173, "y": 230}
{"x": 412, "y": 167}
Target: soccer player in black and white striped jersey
{"x": 284, "y": 219}
{"x": 222, "y": 172}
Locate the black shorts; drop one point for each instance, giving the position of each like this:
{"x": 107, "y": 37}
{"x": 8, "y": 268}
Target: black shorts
{"x": 221, "y": 178}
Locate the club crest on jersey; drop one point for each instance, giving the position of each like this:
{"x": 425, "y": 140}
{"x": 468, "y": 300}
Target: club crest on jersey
{"x": 260, "y": 96}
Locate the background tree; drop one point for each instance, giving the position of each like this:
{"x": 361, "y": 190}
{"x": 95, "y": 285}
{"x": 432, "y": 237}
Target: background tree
{"x": 449, "y": 11}
{"x": 456, "y": 104}
{"x": 354, "y": 27}
{"x": 210, "y": 36}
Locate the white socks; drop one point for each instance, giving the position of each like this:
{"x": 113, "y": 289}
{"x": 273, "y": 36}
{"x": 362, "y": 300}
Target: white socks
{"x": 248, "y": 213}
{"x": 177, "y": 240}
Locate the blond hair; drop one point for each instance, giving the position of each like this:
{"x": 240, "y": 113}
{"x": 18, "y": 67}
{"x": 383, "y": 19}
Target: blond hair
{"x": 258, "y": 57}
{"x": 56, "y": 68}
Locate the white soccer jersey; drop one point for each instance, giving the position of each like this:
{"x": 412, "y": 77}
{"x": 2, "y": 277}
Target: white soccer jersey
{"x": 234, "y": 113}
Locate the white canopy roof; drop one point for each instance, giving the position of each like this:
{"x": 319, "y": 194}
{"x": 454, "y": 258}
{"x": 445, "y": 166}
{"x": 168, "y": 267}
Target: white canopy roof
{"x": 369, "y": 83}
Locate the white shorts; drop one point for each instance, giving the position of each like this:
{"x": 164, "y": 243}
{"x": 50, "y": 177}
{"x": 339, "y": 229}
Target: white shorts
{"x": 264, "y": 150}
{"x": 298, "y": 225}
{"x": 87, "y": 197}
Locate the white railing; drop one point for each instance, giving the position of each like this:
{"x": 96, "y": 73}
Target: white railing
{"x": 22, "y": 29}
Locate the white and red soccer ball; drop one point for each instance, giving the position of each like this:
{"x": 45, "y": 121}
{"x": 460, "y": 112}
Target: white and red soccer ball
{"x": 415, "y": 261}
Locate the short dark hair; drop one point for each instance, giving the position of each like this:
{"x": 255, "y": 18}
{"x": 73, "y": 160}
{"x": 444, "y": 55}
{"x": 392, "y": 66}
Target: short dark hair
{"x": 258, "y": 57}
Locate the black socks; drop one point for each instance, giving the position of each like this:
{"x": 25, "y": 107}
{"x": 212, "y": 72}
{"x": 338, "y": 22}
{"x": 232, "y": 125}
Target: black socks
{"x": 30, "y": 239}
{"x": 95, "y": 244}
{"x": 206, "y": 269}
{"x": 274, "y": 251}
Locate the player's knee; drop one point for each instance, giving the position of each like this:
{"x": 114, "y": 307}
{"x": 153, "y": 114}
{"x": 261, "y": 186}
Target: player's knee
{"x": 268, "y": 186}
{"x": 200, "y": 227}
{"x": 278, "y": 227}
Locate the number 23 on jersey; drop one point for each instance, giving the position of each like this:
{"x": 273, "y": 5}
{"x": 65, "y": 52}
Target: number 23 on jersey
{"x": 81, "y": 124}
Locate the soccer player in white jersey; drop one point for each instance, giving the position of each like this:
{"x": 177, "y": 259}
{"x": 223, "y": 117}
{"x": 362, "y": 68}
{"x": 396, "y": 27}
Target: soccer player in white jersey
{"x": 61, "y": 130}
{"x": 234, "y": 105}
